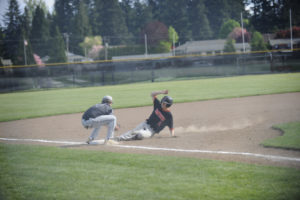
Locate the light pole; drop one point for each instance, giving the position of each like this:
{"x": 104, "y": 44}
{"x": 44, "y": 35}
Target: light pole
{"x": 146, "y": 49}
{"x": 106, "y": 48}
{"x": 25, "y": 57}
{"x": 67, "y": 41}
{"x": 173, "y": 43}
{"x": 291, "y": 29}
{"x": 243, "y": 32}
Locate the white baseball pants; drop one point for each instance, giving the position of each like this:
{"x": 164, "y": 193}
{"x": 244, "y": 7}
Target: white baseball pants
{"x": 143, "y": 129}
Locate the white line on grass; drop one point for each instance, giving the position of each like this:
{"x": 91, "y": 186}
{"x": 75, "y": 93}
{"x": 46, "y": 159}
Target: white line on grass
{"x": 271, "y": 157}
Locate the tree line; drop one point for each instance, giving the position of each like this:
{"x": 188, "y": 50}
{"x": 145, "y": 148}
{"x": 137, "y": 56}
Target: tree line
{"x": 76, "y": 25}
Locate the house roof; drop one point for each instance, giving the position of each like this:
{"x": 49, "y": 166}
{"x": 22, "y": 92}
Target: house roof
{"x": 207, "y": 45}
{"x": 284, "y": 41}
{"x": 73, "y": 57}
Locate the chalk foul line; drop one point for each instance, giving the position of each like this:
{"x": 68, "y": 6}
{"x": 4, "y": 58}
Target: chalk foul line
{"x": 42, "y": 141}
{"x": 271, "y": 157}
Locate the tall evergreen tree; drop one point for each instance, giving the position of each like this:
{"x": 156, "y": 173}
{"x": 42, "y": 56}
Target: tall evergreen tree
{"x": 31, "y": 6}
{"x": 39, "y": 33}
{"x": 217, "y": 14}
{"x": 265, "y": 16}
{"x": 271, "y": 15}
{"x": 26, "y": 35}
{"x": 176, "y": 15}
{"x": 81, "y": 28}
{"x": 286, "y": 6}
{"x": 199, "y": 23}
{"x": 113, "y": 23}
{"x": 128, "y": 13}
{"x": 137, "y": 14}
{"x": 235, "y": 7}
{"x": 57, "y": 51}
{"x": 2, "y": 48}
{"x": 96, "y": 17}
{"x": 64, "y": 15}
{"x": 12, "y": 32}
{"x": 155, "y": 8}
{"x": 19, "y": 58}
{"x": 142, "y": 16}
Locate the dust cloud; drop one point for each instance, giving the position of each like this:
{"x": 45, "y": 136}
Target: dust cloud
{"x": 240, "y": 124}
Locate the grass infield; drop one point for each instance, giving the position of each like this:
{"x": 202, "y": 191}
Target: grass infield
{"x": 39, "y": 172}
{"x": 21, "y": 105}
{"x": 290, "y": 138}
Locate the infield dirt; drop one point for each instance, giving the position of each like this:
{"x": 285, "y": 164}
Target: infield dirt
{"x": 227, "y": 125}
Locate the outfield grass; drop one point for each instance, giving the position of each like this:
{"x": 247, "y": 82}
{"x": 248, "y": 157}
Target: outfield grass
{"x": 36, "y": 172}
{"x": 290, "y": 138}
{"x": 21, "y": 105}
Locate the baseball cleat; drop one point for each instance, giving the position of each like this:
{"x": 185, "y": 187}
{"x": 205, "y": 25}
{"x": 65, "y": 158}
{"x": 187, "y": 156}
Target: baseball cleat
{"x": 89, "y": 140}
{"x": 111, "y": 142}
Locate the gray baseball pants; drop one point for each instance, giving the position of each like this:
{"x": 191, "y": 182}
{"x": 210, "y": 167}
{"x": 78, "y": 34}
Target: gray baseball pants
{"x": 104, "y": 120}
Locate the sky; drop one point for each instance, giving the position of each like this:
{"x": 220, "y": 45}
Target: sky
{"x": 4, "y": 7}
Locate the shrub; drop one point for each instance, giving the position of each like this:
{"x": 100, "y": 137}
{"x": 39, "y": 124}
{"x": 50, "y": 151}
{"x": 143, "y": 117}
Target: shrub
{"x": 237, "y": 35}
{"x": 257, "y": 42}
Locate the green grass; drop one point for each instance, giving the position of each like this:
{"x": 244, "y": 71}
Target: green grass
{"x": 39, "y": 172}
{"x": 289, "y": 140}
{"x": 21, "y": 105}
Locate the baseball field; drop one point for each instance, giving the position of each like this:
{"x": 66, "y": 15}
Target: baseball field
{"x": 237, "y": 138}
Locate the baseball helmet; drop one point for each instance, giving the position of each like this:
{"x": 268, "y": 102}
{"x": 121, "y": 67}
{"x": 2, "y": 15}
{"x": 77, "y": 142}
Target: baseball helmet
{"x": 167, "y": 100}
{"x": 107, "y": 99}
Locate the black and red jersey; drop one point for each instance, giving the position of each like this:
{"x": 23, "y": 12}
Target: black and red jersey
{"x": 159, "y": 118}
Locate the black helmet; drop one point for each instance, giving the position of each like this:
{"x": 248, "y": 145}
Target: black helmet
{"x": 167, "y": 100}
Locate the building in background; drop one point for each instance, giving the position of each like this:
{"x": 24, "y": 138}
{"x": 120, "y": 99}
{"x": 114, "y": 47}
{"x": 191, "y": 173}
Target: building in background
{"x": 207, "y": 47}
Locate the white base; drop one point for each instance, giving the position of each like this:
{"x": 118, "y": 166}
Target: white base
{"x": 97, "y": 142}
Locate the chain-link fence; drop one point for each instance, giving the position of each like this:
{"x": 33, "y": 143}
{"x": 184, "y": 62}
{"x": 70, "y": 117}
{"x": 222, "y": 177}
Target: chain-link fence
{"x": 146, "y": 69}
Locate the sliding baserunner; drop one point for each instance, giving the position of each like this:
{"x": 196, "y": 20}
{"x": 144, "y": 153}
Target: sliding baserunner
{"x": 158, "y": 120}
